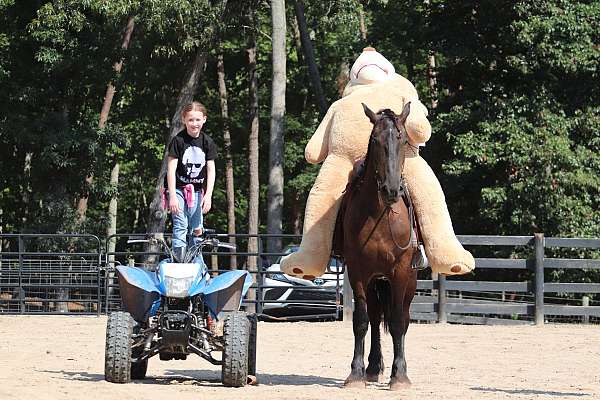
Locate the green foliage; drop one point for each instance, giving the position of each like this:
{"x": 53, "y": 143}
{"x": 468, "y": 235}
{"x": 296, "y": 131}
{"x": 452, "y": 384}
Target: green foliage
{"x": 516, "y": 130}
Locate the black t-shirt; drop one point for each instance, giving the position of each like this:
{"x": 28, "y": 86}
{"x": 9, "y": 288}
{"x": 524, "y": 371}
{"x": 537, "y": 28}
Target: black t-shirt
{"x": 192, "y": 155}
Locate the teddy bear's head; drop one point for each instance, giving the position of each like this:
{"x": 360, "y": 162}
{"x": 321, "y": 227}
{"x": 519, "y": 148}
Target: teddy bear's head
{"x": 371, "y": 67}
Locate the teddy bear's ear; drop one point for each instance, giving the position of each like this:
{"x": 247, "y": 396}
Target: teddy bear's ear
{"x": 369, "y": 113}
{"x": 405, "y": 111}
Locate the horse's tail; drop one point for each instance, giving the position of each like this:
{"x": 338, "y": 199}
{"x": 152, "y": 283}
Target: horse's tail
{"x": 383, "y": 289}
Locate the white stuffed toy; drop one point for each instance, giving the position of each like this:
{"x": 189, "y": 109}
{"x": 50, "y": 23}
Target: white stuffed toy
{"x": 341, "y": 139}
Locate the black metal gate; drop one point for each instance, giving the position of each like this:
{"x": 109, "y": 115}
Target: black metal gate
{"x": 50, "y": 274}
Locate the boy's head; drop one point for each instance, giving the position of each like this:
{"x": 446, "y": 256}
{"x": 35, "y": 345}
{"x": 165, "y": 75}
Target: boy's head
{"x": 193, "y": 116}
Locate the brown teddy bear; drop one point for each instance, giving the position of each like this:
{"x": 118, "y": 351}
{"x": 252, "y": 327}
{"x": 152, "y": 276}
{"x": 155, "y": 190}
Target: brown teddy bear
{"x": 341, "y": 139}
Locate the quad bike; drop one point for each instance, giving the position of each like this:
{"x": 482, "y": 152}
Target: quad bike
{"x": 178, "y": 309}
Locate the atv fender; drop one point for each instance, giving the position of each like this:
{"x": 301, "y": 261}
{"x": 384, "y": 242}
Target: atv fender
{"x": 139, "y": 291}
{"x": 225, "y": 292}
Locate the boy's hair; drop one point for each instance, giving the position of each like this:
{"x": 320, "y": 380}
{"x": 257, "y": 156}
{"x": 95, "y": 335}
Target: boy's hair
{"x": 193, "y": 106}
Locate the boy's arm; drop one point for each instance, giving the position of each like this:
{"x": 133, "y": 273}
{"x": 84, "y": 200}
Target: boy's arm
{"x": 171, "y": 167}
{"x": 210, "y": 184}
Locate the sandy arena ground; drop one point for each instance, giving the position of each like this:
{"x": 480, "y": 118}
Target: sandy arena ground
{"x": 55, "y": 357}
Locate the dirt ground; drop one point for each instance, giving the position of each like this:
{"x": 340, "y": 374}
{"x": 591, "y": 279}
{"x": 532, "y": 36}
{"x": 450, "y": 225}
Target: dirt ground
{"x": 55, "y": 357}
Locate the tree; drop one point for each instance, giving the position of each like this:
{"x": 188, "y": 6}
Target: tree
{"x": 253, "y": 147}
{"x": 275, "y": 193}
{"x": 310, "y": 57}
{"x": 114, "y": 174}
{"x": 228, "y": 157}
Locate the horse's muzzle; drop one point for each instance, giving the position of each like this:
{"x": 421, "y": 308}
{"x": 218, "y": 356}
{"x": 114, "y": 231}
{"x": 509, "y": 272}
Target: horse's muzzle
{"x": 391, "y": 196}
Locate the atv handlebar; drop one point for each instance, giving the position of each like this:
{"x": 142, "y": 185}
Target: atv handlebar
{"x": 209, "y": 237}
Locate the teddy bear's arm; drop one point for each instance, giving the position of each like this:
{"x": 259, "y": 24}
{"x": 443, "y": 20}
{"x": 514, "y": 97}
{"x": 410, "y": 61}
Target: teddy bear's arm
{"x": 318, "y": 146}
{"x": 417, "y": 125}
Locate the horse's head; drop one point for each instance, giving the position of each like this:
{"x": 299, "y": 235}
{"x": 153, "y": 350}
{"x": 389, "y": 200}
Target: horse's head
{"x": 386, "y": 150}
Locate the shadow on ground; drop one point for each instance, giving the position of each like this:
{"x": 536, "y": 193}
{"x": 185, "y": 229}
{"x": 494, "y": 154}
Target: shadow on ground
{"x": 531, "y": 392}
{"x": 200, "y": 377}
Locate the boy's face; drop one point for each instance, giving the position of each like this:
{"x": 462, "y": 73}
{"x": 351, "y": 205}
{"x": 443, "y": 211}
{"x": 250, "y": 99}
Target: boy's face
{"x": 194, "y": 120}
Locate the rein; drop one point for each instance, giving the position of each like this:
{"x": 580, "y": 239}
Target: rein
{"x": 411, "y": 220}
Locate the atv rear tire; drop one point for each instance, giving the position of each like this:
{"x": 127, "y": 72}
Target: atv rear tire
{"x": 138, "y": 369}
{"x": 236, "y": 332}
{"x": 117, "y": 356}
{"x": 252, "y": 344}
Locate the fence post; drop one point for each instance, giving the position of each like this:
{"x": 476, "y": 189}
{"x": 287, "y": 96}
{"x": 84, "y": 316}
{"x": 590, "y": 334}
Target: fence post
{"x": 442, "y": 299}
{"x": 21, "y": 291}
{"x": 348, "y": 298}
{"x": 585, "y": 302}
{"x": 253, "y": 265}
{"x": 260, "y": 282}
{"x": 539, "y": 278}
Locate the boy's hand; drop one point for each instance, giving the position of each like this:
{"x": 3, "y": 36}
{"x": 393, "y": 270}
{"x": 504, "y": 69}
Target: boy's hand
{"x": 206, "y": 204}
{"x": 174, "y": 205}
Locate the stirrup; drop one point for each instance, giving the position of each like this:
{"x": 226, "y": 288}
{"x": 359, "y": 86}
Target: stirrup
{"x": 419, "y": 259}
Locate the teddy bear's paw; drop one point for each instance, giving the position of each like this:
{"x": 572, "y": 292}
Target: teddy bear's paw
{"x": 298, "y": 264}
{"x": 458, "y": 269}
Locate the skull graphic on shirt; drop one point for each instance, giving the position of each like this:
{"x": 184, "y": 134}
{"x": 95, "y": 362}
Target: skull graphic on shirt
{"x": 194, "y": 160}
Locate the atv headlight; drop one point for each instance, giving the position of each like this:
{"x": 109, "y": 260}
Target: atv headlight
{"x": 178, "y": 287}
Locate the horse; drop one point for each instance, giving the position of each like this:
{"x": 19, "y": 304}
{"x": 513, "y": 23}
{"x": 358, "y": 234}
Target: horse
{"x": 379, "y": 240}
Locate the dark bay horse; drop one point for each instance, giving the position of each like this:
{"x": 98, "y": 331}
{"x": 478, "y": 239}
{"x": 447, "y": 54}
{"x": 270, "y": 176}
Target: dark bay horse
{"x": 378, "y": 243}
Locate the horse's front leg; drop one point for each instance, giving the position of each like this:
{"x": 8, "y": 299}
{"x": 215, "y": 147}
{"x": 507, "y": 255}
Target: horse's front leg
{"x": 374, "y": 309}
{"x": 360, "y": 324}
{"x": 398, "y": 327}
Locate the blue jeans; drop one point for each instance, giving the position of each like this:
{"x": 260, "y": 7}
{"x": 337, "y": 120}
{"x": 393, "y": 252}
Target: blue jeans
{"x": 187, "y": 220}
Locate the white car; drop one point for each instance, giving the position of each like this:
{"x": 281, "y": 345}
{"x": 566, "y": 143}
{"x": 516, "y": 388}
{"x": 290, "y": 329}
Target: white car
{"x": 289, "y": 296}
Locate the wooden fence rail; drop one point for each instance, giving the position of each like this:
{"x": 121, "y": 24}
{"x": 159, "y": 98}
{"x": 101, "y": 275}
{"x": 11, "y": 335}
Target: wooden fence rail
{"x": 441, "y": 307}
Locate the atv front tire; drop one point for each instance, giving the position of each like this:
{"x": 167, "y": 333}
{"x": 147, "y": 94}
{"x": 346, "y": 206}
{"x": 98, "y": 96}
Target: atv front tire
{"x": 236, "y": 332}
{"x": 119, "y": 339}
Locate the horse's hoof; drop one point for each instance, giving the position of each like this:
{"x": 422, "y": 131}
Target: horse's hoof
{"x": 400, "y": 384}
{"x": 354, "y": 383}
{"x": 374, "y": 378}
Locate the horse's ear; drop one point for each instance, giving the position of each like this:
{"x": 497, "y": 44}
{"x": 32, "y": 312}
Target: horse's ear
{"x": 405, "y": 111}
{"x": 369, "y": 113}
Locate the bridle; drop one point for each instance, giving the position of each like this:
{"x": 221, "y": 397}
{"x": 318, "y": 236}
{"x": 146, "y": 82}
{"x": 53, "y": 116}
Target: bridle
{"x": 399, "y": 128}
{"x": 412, "y": 240}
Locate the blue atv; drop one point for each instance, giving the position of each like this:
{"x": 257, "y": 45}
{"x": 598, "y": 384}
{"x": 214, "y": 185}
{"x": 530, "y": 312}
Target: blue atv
{"x": 178, "y": 309}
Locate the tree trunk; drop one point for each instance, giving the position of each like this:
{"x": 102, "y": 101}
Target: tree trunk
{"x": 343, "y": 78}
{"x": 229, "y": 183}
{"x": 112, "y": 211}
{"x": 114, "y": 173}
{"x": 363, "y": 25}
{"x": 108, "y": 98}
{"x": 432, "y": 81}
{"x": 254, "y": 187}
{"x": 297, "y": 214}
{"x": 26, "y": 188}
{"x": 309, "y": 55}
{"x": 275, "y": 190}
